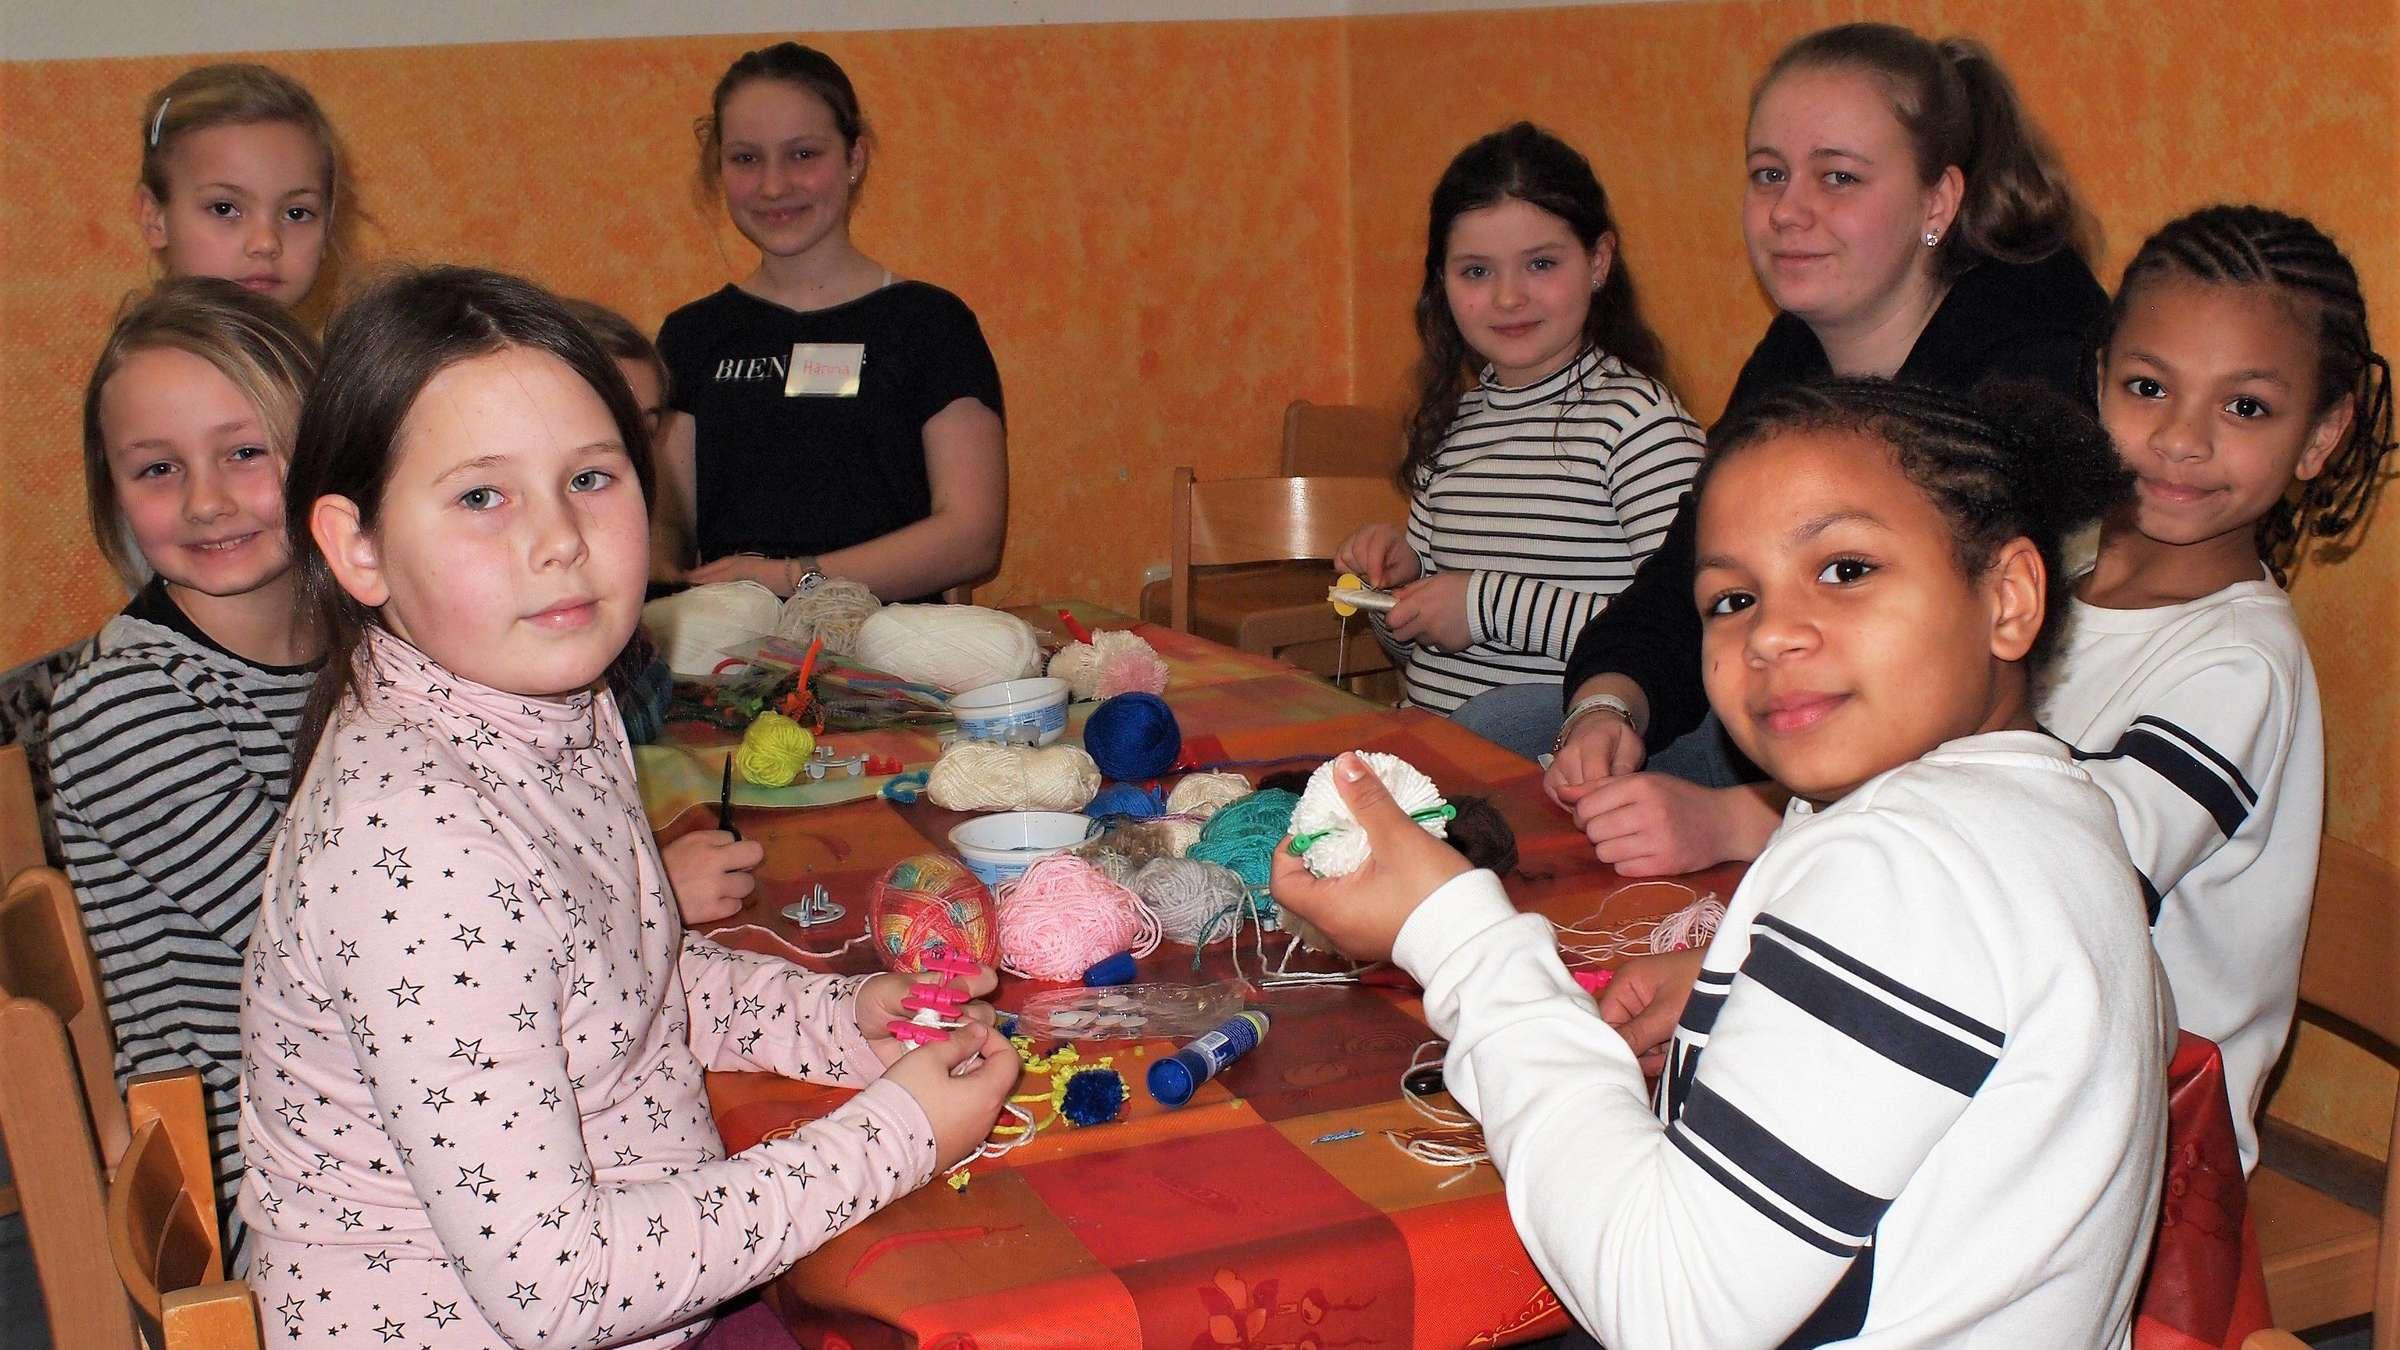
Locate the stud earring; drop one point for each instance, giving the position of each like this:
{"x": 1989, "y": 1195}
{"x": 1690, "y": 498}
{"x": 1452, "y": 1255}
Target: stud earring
{"x": 1932, "y": 237}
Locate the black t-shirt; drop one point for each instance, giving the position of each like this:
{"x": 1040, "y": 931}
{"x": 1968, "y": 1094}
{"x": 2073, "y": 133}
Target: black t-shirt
{"x": 2008, "y": 321}
{"x": 788, "y": 476}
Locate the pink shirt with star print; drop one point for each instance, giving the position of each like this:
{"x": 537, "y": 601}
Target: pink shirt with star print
{"x": 473, "y": 1033}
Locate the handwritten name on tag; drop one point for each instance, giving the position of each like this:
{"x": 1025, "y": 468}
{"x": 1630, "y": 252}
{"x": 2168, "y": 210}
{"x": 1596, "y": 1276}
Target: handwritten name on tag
{"x": 825, "y": 370}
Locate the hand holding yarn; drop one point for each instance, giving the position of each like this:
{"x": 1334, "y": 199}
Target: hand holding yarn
{"x": 1326, "y": 833}
{"x": 882, "y": 1001}
{"x": 959, "y": 1102}
{"x": 1363, "y": 911}
{"x": 774, "y": 750}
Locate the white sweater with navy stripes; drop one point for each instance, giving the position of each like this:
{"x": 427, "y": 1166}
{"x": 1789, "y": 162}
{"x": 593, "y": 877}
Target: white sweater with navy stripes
{"x": 1551, "y": 495}
{"x": 171, "y": 760}
{"x": 2200, "y": 721}
{"x": 1917, "y": 1097}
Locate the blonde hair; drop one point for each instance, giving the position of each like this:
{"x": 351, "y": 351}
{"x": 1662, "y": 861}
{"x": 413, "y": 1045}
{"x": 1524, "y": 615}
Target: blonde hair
{"x": 241, "y": 94}
{"x": 251, "y": 340}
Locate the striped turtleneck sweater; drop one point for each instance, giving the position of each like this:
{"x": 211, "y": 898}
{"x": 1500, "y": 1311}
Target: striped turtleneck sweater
{"x": 1551, "y": 495}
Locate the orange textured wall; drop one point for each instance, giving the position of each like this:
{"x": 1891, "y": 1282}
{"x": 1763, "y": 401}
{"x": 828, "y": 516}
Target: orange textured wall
{"x": 2157, "y": 106}
{"x": 1148, "y": 218}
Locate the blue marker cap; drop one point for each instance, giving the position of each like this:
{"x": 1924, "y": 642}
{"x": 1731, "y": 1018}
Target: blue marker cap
{"x": 1118, "y": 969}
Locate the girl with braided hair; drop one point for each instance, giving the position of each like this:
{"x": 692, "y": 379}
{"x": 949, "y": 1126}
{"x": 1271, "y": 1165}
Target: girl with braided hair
{"x": 2240, "y": 385}
{"x": 1933, "y": 984}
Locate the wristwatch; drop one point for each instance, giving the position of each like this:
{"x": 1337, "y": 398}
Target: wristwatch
{"x": 804, "y": 575}
{"x": 1608, "y": 703}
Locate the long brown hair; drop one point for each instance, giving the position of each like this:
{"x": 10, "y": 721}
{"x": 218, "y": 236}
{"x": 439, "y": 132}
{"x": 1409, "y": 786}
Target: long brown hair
{"x": 380, "y": 353}
{"x": 1960, "y": 110}
{"x": 1521, "y": 163}
{"x": 244, "y": 94}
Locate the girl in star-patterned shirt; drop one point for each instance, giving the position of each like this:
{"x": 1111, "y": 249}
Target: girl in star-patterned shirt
{"x": 473, "y": 1027}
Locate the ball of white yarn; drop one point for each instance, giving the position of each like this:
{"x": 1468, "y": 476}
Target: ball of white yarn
{"x": 834, "y": 611}
{"x": 1341, "y": 846}
{"x": 694, "y": 628}
{"x": 1194, "y": 900}
{"x": 978, "y": 776}
{"x": 952, "y": 647}
{"x": 1202, "y": 795}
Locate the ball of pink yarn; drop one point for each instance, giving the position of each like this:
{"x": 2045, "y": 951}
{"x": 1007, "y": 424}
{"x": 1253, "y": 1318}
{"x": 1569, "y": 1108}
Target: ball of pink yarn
{"x": 1063, "y": 916}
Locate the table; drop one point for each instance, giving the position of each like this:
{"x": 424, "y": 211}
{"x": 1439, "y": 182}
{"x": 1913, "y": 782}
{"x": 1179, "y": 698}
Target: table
{"x": 1253, "y": 1217}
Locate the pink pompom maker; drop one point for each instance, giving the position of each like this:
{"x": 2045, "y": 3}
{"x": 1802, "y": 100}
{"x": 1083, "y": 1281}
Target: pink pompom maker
{"x": 937, "y": 1004}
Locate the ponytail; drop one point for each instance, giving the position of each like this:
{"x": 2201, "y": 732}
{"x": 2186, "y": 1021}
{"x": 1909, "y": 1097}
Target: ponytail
{"x": 1960, "y": 110}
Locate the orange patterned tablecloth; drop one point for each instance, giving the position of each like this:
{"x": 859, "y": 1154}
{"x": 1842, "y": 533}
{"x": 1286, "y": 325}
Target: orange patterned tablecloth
{"x": 1249, "y": 1218}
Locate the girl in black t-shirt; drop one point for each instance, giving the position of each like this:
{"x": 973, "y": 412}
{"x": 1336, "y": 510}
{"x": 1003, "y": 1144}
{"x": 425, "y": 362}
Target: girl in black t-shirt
{"x": 825, "y": 419}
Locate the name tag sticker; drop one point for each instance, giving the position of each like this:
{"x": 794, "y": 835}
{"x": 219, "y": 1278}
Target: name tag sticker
{"x": 825, "y": 370}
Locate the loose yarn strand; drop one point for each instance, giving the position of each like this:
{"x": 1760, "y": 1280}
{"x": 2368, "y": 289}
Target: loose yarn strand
{"x": 1458, "y": 1143}
{"x": 1691, "y": 926}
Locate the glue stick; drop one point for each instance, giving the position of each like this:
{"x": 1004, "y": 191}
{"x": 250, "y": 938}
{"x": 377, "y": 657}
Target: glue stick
{"x": 1174, "y": 1079}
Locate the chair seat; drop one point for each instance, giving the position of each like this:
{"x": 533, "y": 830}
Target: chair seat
{"x": 2319, "y": 1253}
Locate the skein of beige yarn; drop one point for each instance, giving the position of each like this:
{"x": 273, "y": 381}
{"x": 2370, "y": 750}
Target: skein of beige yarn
{"x": 1201, "y": 795}
{"x": 978, "y": 776}
{"x": 694, "y": 628}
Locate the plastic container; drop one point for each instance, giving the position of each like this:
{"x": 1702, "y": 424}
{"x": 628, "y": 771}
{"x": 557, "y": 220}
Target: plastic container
{"x": 1013, "y": 712}
{"x": 1174, "y": 1079}
{"x": 998, "y": 848}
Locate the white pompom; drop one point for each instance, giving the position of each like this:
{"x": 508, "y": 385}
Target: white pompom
{"x": 1340, "y": 847}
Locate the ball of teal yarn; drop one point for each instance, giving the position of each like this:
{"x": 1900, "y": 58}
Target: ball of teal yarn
{"x": 1126, "y": 799}
{"x": 1244, "y": 834}
{"x": 1133, "y": 736}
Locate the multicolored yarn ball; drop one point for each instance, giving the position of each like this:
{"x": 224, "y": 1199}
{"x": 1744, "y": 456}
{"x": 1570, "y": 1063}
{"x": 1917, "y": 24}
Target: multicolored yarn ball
{"x": 1242, "y": 835}
{"x": 1062, "y": 917}
{"x": 928, "y": 902}
{"x": 774, "y": 750}
{"x": 834, "y": 611}
{"x": 979, "y": 776}
{"x": 1196, "y": 902}
{"x": 1200, "y": 795}
{"x": 1133, "y": 736}
{"x": 1114, "y": 662}
{"x": 1126, "y": 799}
{"x": 1092, "y": 1096}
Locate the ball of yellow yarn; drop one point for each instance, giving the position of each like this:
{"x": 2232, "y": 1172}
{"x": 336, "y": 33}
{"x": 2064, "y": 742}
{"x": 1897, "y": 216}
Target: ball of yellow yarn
{"x": 774, "y": 750}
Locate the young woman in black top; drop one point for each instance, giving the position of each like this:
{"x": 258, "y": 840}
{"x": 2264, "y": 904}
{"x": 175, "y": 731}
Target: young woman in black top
{"x": 827, "y": 419}
{"x": 1908, "y": 222}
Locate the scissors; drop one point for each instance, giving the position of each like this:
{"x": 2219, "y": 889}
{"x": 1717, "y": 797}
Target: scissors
{"x": 725, "y": 804}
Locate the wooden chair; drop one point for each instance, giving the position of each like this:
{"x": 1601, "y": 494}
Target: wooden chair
{"x": 60, "y": 1181}
{"x": 162, "y": 1223}
{"x": 1221, "y": 525}
{"x": 20, "y": 821}
{"x": 2327, "y": 1254}
{"x": 1339, "y": 439}
{"x": 44, "y": 957}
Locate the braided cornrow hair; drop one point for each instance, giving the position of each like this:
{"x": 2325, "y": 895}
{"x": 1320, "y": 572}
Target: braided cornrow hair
{"x": 2015, "y": 461}
{"x": 2254, "y": 246}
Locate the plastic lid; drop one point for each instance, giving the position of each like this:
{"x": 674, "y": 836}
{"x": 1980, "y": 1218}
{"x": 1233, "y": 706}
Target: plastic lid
{"x": 1172, "y": 1081}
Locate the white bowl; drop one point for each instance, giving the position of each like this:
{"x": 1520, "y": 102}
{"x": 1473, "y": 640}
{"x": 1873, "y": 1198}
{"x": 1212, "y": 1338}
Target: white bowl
{"x": 1014, "y": 711}
{"x": 998, "y": 848}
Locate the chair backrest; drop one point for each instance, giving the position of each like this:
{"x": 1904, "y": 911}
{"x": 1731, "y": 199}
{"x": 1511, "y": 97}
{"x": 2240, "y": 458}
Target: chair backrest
{"x": 60, "y": 1185}
{"x": 44, "y": 957}
{"x": 1339, "y": 439}
{"x": 1267, "y": 519}
{"x": 20, "y": 820}
{"x": 2347, "y": 970}
{"x": 162, "y": 1222}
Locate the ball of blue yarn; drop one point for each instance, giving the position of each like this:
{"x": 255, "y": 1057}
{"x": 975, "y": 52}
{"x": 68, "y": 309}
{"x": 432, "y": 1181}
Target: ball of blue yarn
{"x": 1127, "y": 799}
{"x": 1133, "y": 736}
{"x": 1243, "y": 835}
{"x": 1093, "y": 1096}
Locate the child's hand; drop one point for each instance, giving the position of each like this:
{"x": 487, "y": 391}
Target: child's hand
{"x": 1433, "y": 613}
{"x": 1379, "y": 555}
{"x": 960, "y": 1106}
{"x": 879, "y": 1005}
{"x": 1645, "y": 1001}
{"x": 1363, "y": 911}
{"x": 1657, "y": 825}
{"x": 710, "y": 873}
{"x": 1600, "y": 746}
